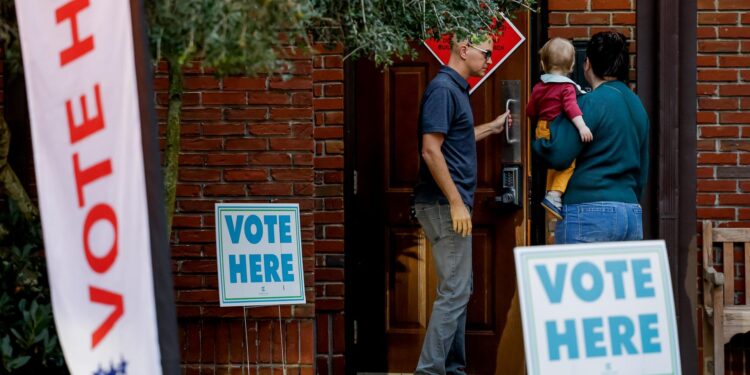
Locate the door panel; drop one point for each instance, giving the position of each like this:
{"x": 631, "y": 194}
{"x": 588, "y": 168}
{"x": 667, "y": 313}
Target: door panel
{"x": 394, "y": 283}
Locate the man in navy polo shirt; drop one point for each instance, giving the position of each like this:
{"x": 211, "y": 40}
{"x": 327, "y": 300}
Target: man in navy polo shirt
{"x": 444, "y": 197}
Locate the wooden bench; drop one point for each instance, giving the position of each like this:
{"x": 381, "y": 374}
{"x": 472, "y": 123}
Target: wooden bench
{"x": 725, "y": 318}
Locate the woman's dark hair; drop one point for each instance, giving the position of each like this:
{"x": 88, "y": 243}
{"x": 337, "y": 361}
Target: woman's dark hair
{"x": 608, "y": 55}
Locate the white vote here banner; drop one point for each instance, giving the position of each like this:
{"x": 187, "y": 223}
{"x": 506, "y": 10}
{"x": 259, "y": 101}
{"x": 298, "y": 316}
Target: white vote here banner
{"x": 81, "y": 81}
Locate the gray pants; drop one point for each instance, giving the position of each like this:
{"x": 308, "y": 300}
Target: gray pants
{"x": 444, "y": 350}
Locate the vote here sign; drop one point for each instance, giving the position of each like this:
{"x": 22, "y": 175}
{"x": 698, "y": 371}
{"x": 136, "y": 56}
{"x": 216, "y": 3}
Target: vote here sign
{"x": 259, "y": 254}
{"x": 601, "y": 308}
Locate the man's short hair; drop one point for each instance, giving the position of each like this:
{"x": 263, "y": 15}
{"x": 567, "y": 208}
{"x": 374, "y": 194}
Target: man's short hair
{"x": 558, "y": 54}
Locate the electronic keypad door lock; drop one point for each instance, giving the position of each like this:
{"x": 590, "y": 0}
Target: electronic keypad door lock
{"x": 510, "y": 189}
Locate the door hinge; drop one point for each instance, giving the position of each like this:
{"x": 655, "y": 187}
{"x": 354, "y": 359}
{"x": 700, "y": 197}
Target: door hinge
{"x": 354, "y": 183}
{"x": 355, "y": 332}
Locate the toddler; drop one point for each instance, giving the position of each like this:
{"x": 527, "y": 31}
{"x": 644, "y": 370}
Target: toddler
{"x": 556, "y": 94}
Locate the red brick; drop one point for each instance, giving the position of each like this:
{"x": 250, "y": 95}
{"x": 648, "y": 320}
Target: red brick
{"x": 329, "y": 217}
{"x": 337, "y": 118}
{"x": 328, "y": 75}
{"x": 201, "y": 144}
{"x": 331, "y": 162}
{"x": 291, "y": 113}
{"x": 303, "y": 159}
{"x": 185, "y": 221}
{"x": 269, "y": 129}
{"x": 733, "y": 4}
{"x": 735, "y": 90}
{"x": 568, "y": 5}
{"x": 719, "y": 131}
{"x": 201, "y": 114}
{"x": 623, "y": 19}
{"x": 224, "y": 190}
{"x": 271, "y": 189}
{"x": 304, "y": 189}
{"x": 191, "y": 160}
{"x": 246, "y": 144}
{"x": 329, "y": 132}
{"x": 217, "y": 98}
{"x": 706, "y": 199}
{"x": 734, "y": 32}
{"x": 292, "y": 144}
{"x": 717, "y": 158}
{"x": 558, "y": 19}
{"x": 268, "y": 98}
{"x": 245, "y": 83}
{"x": 246, "y": 175}
{"x": 569, "y": 32}
{"x": 323, "y": 104}
{"x": 706, "y": 4}
{"x": 746, "y": 18}
{"x": 715, "y": 213}
{"x": 734, "y": 118}
{"x": 717, "y": 75}
{"x": 611, "y": 5}
{"x": 704, "y": 89}
{"x": 201, "y": 83}
{"x": 185, "y": 190}
{"x": 334, "y": 147}
{"x": 706, "y": 33}
{"x": 713, "y": 18}
{"x": 292, "y": 174}
{"x": 333, "y": 61}
{"x": 223, "y": 129}
{"x": 707, "y": 117}
{"x": 734, "y": 199}
{"x": 735, "y": 61}
{"x": 302, "y": 99}
{"x": 706, "y": 145}
{"x": 328, "y": 49}
{"x": 716, "y": 185}
{"x": 246, "y": 114}
{"x": 334, "y": 246}
{"x": 226, "y": 159}
{"x": 589, "y": 19}
{"x": 292, "y": 84}
{"x": 199, "y": 175}
{"x": 705, "y": 172}
{"x": 270, "y": 158}
{"x": 196, "y": 236}
{"x": 710, "y": 46}
{"x": 745, "y": 74}
{"x": 718, "y": 104}
{"x": 707, "y": 61}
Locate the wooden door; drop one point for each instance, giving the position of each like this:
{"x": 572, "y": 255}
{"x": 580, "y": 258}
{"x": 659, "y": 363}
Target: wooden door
{"x": 393, "y": 284}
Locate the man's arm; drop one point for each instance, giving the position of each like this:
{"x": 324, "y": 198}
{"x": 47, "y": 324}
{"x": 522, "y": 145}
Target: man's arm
{"x": 433, "y": 157}
{"x": 493, "y": 127}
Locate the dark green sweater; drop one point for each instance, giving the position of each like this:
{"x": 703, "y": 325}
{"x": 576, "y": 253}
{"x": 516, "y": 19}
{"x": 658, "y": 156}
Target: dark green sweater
{"x": 614, "y": 166}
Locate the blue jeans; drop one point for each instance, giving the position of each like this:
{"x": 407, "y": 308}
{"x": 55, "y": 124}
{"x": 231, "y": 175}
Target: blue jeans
{"x": 443, "y": 349}
{"x": 600, "y": 222}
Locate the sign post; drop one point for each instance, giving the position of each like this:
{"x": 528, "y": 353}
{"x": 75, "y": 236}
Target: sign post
{"x": 600, "y": 308}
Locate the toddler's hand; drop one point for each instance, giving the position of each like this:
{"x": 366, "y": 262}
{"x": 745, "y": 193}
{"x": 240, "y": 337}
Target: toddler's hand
{"x": 586, "y": 135}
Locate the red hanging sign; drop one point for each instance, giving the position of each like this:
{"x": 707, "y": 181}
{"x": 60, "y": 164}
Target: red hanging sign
{"x": 507, "y": 39}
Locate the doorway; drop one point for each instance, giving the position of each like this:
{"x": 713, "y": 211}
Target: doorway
{"x": 390, "y": 278}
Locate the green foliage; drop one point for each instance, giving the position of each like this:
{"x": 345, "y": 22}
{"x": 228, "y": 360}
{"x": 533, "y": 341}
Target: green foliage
{"x": 28, "y": 340}
{"x": 231, "y": 37}
{"x": 9, "y": 42}
{"x": 386, "y": 29}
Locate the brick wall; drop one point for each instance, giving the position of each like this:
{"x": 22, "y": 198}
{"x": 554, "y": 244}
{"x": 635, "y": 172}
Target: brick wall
{"x": 723, "y": 117}
{"x": 723, "y": 133}
{"x": 580, "y": 19}
{"x": 249, "y": 139}
{"x": 328, "y": 104}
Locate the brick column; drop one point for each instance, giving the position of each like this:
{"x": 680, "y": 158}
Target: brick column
{"x": 328, "y": 102}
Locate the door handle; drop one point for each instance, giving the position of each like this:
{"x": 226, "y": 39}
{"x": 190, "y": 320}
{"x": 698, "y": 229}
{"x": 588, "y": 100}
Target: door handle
{"x": 507, "y": 129}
